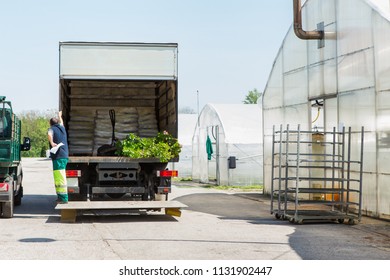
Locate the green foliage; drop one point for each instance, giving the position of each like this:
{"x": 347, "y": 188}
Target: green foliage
{"x": 35, "y": 126}
{"x": 186, "y": 110}
{"x": 163, "y": 146}
{"x": 252, "y": 97}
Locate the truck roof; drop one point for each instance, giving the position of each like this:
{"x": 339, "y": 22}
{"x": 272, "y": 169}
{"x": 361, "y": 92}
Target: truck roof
{"x": 118, "y": 61}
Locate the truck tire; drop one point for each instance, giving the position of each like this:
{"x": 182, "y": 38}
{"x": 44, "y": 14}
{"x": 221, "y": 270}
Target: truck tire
{"x": 7, "y": 208}
{"x": 18, "y": 197}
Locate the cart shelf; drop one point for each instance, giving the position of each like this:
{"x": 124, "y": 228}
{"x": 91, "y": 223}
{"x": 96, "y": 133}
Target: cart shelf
{"x": 322, "y": 160}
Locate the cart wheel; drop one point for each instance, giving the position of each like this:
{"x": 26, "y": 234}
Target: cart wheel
{"x": 351, "y": 222}
{"x": 341, "y": 221}
{"x": 277, "y": 216}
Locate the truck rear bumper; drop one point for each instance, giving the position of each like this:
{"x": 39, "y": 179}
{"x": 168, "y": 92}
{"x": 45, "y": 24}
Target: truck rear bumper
{"x": 4, "y": 197}
{"x": 133, "y": 190}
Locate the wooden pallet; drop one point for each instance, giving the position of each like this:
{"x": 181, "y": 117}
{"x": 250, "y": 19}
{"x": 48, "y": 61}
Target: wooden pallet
{"x": 72, "y": 209}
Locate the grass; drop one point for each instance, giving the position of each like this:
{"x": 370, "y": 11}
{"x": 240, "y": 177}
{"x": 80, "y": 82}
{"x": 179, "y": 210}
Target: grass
{"x": 241, "y": 188}
{"x": 211, "y": 186}
{"x": 182, "y": 179}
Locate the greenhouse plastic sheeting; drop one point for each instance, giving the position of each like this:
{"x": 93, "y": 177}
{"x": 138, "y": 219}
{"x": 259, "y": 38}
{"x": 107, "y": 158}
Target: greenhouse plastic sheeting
{"x": 235, "y": 130}
{"x": 348, "y": 77}
{"x": 186, "y": 128}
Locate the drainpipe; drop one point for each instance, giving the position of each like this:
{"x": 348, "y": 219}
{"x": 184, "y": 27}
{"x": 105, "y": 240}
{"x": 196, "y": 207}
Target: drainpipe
{"x": 302, "y": 34}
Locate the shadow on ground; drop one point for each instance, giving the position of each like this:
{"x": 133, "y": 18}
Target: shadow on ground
{"x": 36, "y": 205}
{"x": 320, "y": 240}
{"x": 239, "y": 206}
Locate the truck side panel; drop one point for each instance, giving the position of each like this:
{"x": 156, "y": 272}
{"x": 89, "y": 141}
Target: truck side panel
{"x": 10, "y": 140}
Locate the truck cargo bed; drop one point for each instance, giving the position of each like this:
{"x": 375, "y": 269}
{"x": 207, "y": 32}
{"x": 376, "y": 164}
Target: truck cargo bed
{"x": 104, "y": 159}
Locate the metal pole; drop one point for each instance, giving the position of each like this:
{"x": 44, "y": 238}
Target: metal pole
{"x": 348, "y": 169}
{"x": 273, "y": 171}
{"x": 197, "y": 101}
{"x": 361, "y": 174}
{"x": 333, "y": 164}
{"x": 286, "y": 159}
{"x": 342, "y": 169}
{"x": 297, "y": 175}
{"x": 217, "y": 156}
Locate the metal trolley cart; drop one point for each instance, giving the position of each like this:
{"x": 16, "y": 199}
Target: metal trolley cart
{"x": 314, "y": 176}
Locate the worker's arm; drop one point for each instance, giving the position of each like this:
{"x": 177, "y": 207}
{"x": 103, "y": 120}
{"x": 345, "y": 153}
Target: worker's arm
{"x": 50, "y": 138}
{"x": 60, "y": 118}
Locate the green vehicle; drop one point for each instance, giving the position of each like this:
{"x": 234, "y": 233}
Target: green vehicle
{"x": 11, "y": 190}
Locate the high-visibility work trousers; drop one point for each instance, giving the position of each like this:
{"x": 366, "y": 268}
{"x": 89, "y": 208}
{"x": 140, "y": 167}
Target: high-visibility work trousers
{"x": 59, "y": 166}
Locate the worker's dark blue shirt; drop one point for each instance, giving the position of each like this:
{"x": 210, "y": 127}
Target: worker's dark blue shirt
{"x": 59, "y": 136}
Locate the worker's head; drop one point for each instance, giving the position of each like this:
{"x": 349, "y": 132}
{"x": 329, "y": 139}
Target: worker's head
{"x": 54, "y": 121}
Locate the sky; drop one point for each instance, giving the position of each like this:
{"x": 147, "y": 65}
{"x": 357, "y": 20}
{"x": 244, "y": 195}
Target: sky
{"x": 226, "y": 47}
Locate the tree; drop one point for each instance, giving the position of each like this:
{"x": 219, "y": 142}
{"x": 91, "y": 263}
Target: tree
{"x": 252, "y": 97}
{"x": 186, "y": 110}
{"x": 35, "y": 125}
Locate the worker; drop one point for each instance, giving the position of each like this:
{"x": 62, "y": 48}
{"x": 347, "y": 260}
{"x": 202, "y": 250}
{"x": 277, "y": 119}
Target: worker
{"x": 59, "y": 155}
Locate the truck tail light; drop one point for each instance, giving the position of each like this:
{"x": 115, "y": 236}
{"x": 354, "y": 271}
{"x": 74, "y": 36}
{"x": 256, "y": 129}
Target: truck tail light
{"x": 73, "y": 173}
{"x": 167, "y": 173}
{"x": 4, "y": 187}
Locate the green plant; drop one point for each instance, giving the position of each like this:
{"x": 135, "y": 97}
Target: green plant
{"x": 252, "y": 97}
{"x": 35, "y": 125}
{"x": 164, "y": 147}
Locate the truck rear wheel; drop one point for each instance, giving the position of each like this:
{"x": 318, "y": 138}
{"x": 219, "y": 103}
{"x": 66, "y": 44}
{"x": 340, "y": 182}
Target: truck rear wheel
{"x": 18, "y": 197}
{"x": 7, "y": 208}
{"x": 19, "y": 188}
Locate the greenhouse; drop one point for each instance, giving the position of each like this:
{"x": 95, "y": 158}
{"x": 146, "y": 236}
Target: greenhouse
{"x": 186, "y": 128}
{"x": 338, "y": 81}
{"x": 227, "y": 145}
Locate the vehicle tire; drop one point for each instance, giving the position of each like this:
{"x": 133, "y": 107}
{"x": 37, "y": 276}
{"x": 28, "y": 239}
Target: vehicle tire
{"x": 152, "y": 195}
{"x": 18, "y": 197}
{"x": 145, "y": 197}
{"x": 8, "y": 208}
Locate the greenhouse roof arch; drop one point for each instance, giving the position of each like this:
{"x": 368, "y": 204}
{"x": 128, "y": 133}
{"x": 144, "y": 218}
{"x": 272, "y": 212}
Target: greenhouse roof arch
{"x": 241, "y": 123}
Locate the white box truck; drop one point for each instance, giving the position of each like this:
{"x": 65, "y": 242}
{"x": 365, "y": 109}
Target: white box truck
{"x": 108, "y": 90}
